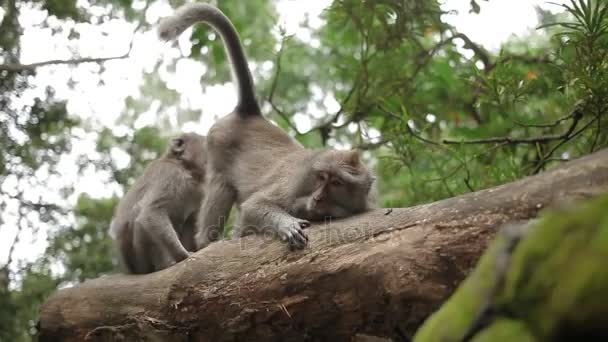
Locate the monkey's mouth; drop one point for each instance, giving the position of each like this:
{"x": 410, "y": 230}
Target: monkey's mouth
{"x": 323, "y": 208}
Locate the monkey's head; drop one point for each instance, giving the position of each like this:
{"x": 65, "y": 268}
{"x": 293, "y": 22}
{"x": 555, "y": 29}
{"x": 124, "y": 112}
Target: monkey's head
{"x": 190, "y": 149}
{"x": 343, "y": 185}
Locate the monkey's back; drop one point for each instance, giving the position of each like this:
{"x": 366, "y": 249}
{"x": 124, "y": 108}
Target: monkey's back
{"x": 171, "y": 185}
{"x": 249, "y": 152}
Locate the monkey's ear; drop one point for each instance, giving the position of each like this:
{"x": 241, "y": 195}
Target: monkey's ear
{"x": 177, "y": 145}
{"x": 353, "y": 158}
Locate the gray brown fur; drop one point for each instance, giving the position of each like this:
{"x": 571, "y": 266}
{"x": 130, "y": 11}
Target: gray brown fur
{"x": 155, "y": 222}
{"x": 275, "y": 182}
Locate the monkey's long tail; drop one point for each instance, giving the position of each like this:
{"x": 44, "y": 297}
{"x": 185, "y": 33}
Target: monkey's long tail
{"x": 190, "y": 14}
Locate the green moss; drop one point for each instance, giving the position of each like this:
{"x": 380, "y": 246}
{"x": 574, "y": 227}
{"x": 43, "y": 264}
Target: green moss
{"x": 505, "y": 330}
{"x": 556, "y": 284}
{"x": 457, "y": 314}
{"x": 558, "y": 273}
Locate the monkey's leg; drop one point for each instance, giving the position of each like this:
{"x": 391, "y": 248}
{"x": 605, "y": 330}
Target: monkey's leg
{"x": 160, "y": 231}
{"x": 186, "y": 235}
{"x": 259, "y": 215}
{"x": 140, "y": 257}
{"x": 127, "y": 255}
{"x": 219, "y": 198}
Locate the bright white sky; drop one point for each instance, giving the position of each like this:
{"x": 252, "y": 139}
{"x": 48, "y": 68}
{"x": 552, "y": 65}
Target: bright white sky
{"x": 499, "y": 21}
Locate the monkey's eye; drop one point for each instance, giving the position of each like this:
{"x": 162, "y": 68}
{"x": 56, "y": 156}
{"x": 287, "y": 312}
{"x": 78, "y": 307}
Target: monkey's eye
{"x": 178, "y": 142}
{"x": 177, "y": 145}
{"x": 336, "y": 182}
{"x": 321, "y": 176}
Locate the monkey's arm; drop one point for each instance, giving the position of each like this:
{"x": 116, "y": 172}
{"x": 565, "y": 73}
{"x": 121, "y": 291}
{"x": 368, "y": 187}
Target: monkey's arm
{"x": 187, "y": 232}
{"x": 155, "y": 224}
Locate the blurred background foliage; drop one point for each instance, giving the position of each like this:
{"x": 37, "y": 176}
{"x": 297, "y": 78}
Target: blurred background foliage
{"x": 437, "y": 114}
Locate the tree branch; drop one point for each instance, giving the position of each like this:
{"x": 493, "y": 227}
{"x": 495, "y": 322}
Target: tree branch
{"x": 381, "y": 273}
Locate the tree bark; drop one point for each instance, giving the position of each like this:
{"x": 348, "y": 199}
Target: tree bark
{"x": 379, "y": 274}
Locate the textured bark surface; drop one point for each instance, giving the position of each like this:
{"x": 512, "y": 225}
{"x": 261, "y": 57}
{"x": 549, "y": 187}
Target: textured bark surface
{"x": 378, "y": 274}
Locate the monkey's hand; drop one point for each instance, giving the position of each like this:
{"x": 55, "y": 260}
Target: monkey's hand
{"x": 291, "y": 230}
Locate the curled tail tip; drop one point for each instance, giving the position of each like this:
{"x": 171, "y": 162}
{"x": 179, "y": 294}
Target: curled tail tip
{"x": 168, "y": 29}
{"x": 171, "y": 27}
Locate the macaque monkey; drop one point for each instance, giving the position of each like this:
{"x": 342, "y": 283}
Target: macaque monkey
{"x": 276, "y": 183}
{"x": 154, "y": 225}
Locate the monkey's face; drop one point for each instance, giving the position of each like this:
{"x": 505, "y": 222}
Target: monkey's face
{"x": 190, "y": 148}
{"x": 342, "y": 185}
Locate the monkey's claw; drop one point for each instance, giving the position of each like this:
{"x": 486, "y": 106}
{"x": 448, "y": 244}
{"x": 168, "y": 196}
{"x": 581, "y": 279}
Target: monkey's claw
{"x": 294, "y": 235}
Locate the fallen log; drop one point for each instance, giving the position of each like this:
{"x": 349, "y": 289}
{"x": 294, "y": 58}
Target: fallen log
{"x": 378, "y": 274}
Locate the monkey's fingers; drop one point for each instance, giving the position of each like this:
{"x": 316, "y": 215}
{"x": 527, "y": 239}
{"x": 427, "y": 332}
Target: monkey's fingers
{"x": 295, "y": 244}
{"x": 298, "y": 240}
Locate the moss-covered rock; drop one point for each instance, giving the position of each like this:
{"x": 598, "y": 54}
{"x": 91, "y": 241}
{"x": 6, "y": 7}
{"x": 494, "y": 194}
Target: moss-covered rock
{"x": 545, "y": 282}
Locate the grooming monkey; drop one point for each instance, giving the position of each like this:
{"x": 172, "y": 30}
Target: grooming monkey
{"x": 276, "y": 183}
{"x": 154, "y": 223}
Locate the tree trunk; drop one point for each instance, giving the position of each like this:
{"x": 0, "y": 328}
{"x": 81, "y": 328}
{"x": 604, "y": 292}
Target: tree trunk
{"x": 379, "y": 274}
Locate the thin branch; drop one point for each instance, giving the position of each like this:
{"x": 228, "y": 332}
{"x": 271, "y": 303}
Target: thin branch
{"x": 334, "y": 118}
{"x": 273, "y": 88}
{"x": 467, "y": 181}
{"x": 372, "y": 145}
{"x": 419, "y": 137}
{"x": 519, "y": 58}
{"x": 16, "y": 67}
{"x": 544, "y": 160}
{"x": 33, "y": 66}
{"x": 407, "y": 126}
{"x": 576, "y": 116}
{"x": 325, "y": 126}
{"x": 479, "y": 51}
{"x": 425, "y": 56}
{"x": 36, "y": 206}
{"x": 486, "y": 58}
{"x": 443, "y": 179}
{"x": 11, "y": 249}
{"x": 546, "y": 125}
{"x": 464, "y": 162}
